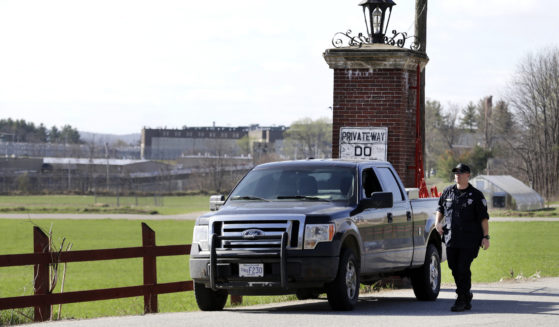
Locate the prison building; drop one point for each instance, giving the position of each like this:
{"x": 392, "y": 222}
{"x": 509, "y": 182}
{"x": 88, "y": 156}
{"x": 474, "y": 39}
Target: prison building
{"x": 211, "y": 141}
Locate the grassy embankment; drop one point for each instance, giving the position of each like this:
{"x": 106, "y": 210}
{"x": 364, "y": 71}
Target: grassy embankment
{"x": 164, "y": 205}
{"x": 518, "y": 248}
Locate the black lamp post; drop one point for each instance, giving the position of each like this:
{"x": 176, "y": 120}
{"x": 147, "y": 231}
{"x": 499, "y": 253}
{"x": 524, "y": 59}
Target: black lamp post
{"x": 374, "y": 12}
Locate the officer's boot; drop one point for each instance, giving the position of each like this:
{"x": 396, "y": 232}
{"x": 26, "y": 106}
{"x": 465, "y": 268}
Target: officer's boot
{"x": 469, "y": 298}
{"x": 460, "y": 304}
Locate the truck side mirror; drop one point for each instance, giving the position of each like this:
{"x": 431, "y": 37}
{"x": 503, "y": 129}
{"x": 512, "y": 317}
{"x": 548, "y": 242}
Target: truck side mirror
{"x": 378, "y": 200}
{"x": 381, "y": 200}
{"x": 216, "y": 202}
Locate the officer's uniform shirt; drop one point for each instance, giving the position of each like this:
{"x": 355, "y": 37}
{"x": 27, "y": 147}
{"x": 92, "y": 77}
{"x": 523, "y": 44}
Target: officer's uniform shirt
{"x": 463, "y": 211}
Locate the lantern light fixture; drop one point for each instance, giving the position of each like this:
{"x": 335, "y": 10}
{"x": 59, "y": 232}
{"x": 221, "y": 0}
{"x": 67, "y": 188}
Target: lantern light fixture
{"x": 376, "y": 24}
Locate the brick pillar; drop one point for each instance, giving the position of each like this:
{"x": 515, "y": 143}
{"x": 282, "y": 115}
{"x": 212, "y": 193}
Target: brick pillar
{"x": 373, "y": 87}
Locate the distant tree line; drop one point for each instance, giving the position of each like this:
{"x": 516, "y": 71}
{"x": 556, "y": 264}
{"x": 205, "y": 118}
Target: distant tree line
{"x": 307, "y": 138}
{"x": 473, "y": 134}
{"x": 22, "y": 131}
{"x": 520, "y": 132}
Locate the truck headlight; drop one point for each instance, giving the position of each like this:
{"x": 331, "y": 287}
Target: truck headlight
{"x": 200, "y": 237}
{"x": 315, "y": 234}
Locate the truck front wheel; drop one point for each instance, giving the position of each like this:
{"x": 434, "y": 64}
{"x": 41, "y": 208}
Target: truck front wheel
{"x": 344, "y": 290}
{"x": 426, "y": 280}
{"x": 208, "y": 299}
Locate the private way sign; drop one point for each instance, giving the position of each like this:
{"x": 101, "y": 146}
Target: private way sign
{"x": 365, "y": 143}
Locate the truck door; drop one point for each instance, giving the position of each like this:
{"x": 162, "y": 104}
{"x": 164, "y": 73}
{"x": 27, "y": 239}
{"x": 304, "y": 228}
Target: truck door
{"x": 399, "y": 242}
{"x": 373, "y": 226}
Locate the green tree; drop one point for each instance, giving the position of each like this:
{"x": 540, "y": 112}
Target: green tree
{"x": 23, "y": 131}
{"x": 42, "y": 134}
{"x": 469, "y": 118}
{"x": 504, "y": 127}
{"x": 476, "y": 158}
{"x": 446, "y": 161}
{"x": 310, "y": 138}
{"x": 68, "y": 134}
{"x": 54, "y": 135}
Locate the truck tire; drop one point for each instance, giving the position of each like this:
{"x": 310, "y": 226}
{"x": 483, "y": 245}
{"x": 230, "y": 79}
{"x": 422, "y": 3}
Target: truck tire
{"x": 208, "y": 299}
{"x": 426, "y": 280}
{"x": 343, "y": 292}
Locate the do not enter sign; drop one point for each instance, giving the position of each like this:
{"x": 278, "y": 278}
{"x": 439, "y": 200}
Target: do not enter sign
{"x": 365, "y": 143}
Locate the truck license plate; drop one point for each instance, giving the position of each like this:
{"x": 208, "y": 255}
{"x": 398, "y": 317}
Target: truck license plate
{"x": 251, "y": 270}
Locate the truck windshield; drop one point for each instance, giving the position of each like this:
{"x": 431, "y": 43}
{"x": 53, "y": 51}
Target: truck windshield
{"x": 299, "y": 184}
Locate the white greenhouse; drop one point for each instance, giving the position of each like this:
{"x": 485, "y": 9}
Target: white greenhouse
{"x": 507, "y": 192}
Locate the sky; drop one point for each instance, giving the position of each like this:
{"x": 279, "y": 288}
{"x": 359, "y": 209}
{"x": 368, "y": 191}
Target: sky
{"x": 117, "y": 66}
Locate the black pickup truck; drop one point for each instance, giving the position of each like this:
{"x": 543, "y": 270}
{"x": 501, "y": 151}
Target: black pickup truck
{"x": 315, "y": 226}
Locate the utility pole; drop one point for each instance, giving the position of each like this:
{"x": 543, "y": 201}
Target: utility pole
{"x": 487, "y": 108}
{"x": 107, "y": 164}
{"x": 421, "y": 39}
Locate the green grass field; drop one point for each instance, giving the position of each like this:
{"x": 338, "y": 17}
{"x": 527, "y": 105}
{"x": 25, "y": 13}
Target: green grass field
{"x": 543, "y": 213}
{"x": 165, "y": 205}
{"x": 518, "y": 247}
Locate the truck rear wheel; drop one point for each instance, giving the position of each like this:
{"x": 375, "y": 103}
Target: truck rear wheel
{"x": 426, "y": 280}
{"x": 208, "y": 299}
{"x": 343, "y": 292}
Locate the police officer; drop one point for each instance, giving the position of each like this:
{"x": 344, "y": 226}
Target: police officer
{"x": 463, "y": 221}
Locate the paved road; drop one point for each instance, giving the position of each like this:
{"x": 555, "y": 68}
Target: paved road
{"x": 510, "y": 304}
{"x": 186, "y": 216}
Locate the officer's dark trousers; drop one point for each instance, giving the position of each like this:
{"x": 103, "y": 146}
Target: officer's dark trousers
{"x": 459, "y": 261}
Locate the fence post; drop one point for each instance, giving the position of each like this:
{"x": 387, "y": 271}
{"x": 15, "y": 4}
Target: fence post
{"x": 236, "y": 299}
{"x": 150, "y": 269}
{"x": 41, "y": 274}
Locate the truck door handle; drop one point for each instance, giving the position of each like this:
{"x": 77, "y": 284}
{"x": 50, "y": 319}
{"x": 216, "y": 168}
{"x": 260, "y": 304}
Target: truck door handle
{"x": 389, "y": 215}
{"x": 408, "y": 215}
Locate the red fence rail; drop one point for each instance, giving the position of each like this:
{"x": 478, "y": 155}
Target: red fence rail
{"x": 42, "y": 258}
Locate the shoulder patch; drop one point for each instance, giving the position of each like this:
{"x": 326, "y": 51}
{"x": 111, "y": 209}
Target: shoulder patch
{"x": 484, "y": 202}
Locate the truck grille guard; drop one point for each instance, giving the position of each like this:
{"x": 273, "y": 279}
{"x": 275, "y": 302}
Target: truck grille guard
{"x": 215, "y": 240}
{"x": 253, "y": 237}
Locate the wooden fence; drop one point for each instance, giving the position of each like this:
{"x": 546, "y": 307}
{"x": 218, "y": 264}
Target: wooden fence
{"x": 42, "y": 258}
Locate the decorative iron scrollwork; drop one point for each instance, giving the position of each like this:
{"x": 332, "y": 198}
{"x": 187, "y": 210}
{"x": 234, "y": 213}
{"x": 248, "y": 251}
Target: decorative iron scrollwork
{"x": 398, "y": 39}
{"x": 353, "y": 41}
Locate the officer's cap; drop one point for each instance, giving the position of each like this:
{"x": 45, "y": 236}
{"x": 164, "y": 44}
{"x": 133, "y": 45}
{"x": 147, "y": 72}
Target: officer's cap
{"x": 461, "y": 168}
